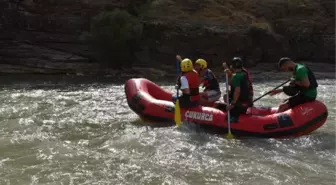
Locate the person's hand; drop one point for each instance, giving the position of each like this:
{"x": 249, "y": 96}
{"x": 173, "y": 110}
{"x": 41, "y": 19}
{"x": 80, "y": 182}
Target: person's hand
{"x": 204, "y": 95}
{"x": 292, "y": 82}
{"x": 178, "y": 57}
{"x": 227, "y": 71}
{"x": 230, "y": 107}
{"x": 224, "y": 66}
{"x": 174, "y": 98}
{"x": 274, "y": 92}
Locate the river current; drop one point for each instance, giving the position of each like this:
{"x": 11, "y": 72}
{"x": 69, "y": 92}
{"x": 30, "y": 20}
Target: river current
{"x": 61, "y": 131}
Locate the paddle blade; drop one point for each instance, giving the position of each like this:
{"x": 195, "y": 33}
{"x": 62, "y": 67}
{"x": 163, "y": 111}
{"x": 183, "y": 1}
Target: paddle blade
{"x": 177, "y": 114}
{"x": 229, "y": 135}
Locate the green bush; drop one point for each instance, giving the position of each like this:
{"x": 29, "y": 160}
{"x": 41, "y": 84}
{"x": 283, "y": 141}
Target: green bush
{"x": 114, "y": 36}
{"x": 259, "y": 29}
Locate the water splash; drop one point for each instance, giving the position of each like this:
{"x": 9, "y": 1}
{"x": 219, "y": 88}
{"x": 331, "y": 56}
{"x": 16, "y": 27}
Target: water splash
{"x": 86, "y": 134}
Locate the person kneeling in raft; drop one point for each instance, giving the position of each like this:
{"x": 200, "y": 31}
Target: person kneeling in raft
{"x": 212, "y": 91}
{"x": 189, "y": 83}
{"x": 303, "y": 84}
{"x": 227, "y": 68}
{"x": 240, "y": 95}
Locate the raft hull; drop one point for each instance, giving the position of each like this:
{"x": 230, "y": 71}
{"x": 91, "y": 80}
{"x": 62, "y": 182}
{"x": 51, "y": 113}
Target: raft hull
{"x": 151, "y": 102}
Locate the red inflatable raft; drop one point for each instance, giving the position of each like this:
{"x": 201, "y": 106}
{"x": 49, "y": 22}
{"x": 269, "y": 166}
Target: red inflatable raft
{"x": 151, "y": 102}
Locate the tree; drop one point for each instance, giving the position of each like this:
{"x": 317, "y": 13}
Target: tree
{"x": 114, "y": 36}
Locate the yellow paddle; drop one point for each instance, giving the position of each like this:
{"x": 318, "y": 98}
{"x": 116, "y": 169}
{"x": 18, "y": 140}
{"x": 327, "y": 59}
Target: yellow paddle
{"x": 178, "y": 113}
{"x": 177, "y": 116}
{"x": 229, "y": 135}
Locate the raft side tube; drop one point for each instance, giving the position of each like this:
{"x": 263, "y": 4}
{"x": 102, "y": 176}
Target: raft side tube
{"x": 152, "y": 102}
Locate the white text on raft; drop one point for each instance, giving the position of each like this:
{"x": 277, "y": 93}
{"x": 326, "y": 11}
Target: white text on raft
{"x": 199, "y": 115}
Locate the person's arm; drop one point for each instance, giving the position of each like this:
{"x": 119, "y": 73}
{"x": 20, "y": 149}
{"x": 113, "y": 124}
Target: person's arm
{"x": 236, "y": 95}
{"x": 204, "y": 77}
{"x": 236, "y": 84}
{"x": 277, "y": 91}
{"x": 229, "y": 72}
{"x": 178, "y": 82}
{"x": 301, "y": 78}
{"x": 303, "y": 83}
{"x": 185, "y": 85}
{"x": 179, "y": 58}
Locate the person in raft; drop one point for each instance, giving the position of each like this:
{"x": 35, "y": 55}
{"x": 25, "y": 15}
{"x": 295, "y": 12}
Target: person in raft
{"x": 189, "y": 83}
{"x": 227, "y": 67}
{"x": 241, "y": 93}
{"x": 212, "y": 91}
{"x": 303, "y": 80}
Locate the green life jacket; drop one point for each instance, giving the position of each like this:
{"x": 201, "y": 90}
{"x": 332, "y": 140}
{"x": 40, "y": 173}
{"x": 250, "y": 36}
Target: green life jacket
{"x": 246, "y": 95}
{"x": 312, "y": 80}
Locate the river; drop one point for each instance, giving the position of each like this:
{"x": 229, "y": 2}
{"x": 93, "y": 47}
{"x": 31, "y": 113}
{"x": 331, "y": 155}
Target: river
{"x": 60, "y": 130}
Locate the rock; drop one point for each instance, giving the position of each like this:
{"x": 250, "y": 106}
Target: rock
{"x": 149, "y": 71}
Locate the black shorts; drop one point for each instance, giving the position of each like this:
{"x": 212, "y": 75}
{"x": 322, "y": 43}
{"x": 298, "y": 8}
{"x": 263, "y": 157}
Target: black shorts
{"x": 235, "y": 111}
{"x": 299, "y": 99}
{"x": 185, "y": 102}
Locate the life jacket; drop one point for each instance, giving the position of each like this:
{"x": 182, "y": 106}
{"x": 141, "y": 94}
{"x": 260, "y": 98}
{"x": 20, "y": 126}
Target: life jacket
{"x": 194, "y": 83}
{"x": 249, "y": 80}
{"x": 210, "y": 81}
{"x": 245, "y": 97}
{"x": 311, "y": 77}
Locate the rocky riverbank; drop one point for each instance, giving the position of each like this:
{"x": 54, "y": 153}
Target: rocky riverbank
{"x": 259, "y": 72}
{"x": 44, "y": 36}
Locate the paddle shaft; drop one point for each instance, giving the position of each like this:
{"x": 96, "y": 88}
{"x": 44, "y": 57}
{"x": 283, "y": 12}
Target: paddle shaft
{"x": 271, "y": 90}
{"x": 178, "y": 68}
{"x": 177, "y": 113}
{"x": 178, "y": 74}
{"x": 227, "y": 101}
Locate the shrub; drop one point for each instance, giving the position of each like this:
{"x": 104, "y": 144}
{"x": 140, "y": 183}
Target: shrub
{"x": 114, "y": 36}
{"x": 259, "y": 29}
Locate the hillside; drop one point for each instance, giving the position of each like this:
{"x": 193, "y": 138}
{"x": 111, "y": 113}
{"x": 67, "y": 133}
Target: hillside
{"x": 44, "y": 36}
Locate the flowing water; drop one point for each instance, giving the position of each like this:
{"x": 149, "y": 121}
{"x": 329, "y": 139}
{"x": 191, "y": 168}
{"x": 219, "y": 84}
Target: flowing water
{"x": 63, "y": 131}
